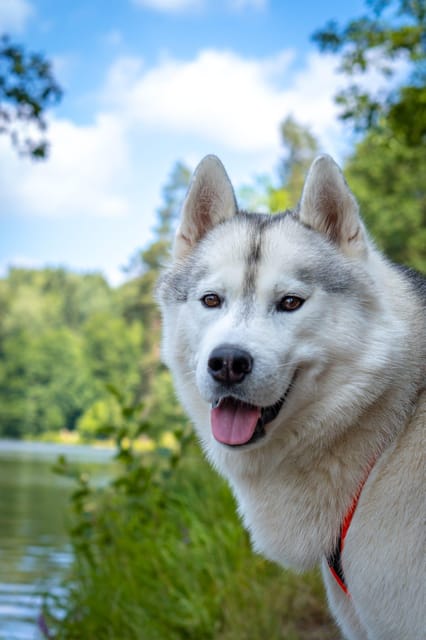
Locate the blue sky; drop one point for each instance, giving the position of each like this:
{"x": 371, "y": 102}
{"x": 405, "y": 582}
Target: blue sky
{"x": 147, "y": 83}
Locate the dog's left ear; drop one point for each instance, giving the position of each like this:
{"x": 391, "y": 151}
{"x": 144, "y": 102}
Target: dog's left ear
{"x": 329, "y": 206}
{"x": 209, "y": 201}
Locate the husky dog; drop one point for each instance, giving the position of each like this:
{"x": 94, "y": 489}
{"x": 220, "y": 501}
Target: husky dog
{"x": 298, "y": 351}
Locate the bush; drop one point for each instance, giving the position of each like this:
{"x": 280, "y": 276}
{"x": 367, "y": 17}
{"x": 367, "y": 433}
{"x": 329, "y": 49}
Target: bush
{"x": 160, "y": 554}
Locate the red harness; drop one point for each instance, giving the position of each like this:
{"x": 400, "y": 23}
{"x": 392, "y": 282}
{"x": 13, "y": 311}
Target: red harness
{"x": 334, "y": 560}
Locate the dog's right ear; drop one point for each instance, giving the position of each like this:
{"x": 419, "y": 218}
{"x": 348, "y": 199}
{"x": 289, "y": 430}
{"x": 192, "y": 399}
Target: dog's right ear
{"x": 328, "y": 206}
{"x": 209, "y": 201}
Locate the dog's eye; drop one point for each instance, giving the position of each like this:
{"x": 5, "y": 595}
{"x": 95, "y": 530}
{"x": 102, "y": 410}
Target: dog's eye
{"x": 211, "y": 300}
{"x": 289, "y": 303}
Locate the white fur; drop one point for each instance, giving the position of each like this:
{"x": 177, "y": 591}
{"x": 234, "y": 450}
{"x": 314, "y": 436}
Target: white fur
{"x": 359, "y": 354}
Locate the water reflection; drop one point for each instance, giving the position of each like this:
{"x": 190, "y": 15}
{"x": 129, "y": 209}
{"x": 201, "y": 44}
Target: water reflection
{"x": 34, "y": 548}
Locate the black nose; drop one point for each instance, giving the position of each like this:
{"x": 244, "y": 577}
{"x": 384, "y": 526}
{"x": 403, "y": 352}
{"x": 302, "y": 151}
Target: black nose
{"x": 229, "y": 364}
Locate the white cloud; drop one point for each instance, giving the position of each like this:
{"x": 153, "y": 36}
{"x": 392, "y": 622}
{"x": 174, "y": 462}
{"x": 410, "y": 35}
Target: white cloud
{"x": 224, "y": 98}
{"x": 85, "y": 174}
{"x": 218, "y": 101}
{"x": 151, "y": 116}
{"x": 14, "y": 14}
{"x": 234, "y": 102}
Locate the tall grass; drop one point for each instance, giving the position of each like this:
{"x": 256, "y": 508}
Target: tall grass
{"x": 161, "y": 555}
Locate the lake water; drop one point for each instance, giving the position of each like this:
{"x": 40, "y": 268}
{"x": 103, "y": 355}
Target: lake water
{"x": 34, "y": 546}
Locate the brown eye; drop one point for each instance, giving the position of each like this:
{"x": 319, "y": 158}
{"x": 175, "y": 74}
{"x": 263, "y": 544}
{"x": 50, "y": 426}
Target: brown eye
{"x": 211, "y": 300}
{"x": 289, "y": 303}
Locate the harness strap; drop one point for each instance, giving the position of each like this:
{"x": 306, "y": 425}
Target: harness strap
{"x": 334, "y": 560}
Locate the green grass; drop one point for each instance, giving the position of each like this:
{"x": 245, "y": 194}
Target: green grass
{"x": 173, "y": 562}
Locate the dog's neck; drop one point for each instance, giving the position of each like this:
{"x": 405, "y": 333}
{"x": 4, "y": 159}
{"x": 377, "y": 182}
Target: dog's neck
{"x": 294, "y": 506}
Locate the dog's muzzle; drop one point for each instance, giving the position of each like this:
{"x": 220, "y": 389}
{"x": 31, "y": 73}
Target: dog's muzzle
{"x": 234, "y": 421}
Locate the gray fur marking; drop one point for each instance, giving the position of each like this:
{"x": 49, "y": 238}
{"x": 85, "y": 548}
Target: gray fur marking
{"x": 178, "y": 283}
{"x": 416, "y": 279}
{"x": 338, "y": 281}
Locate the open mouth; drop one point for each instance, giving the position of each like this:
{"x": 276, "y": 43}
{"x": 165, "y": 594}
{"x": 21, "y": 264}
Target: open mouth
{"x": 236, "y": 423}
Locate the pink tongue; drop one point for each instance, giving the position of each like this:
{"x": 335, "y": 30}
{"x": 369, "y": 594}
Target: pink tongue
{"x": 234, "y": 422}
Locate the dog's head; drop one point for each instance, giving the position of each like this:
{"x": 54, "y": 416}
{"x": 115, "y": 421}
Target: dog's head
{"x": 257, "y": 308}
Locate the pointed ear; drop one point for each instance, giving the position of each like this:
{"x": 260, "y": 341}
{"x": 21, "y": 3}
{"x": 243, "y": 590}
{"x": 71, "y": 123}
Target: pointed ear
{"x": 209, "y": 201}
{"x": 328, "y": 206}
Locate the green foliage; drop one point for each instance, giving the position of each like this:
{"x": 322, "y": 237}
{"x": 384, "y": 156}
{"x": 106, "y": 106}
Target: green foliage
{"x": 160, "y": 554}
{"x": 63, "y": 337}
{"x": 113, "y": 348}
{"x": 162, "y": 404}
{"x": 101, "y": 412}
{"x": 173, "y": 195}
{"x": 387, "y": 177}
{"x": 300, "y": 148}
{"x": 393, "y": 29}
{"x": 386, "y": 170}
{"x": 43, "y": 381}
{"x": 136, "y": 296}
{"x": 27, "y": 89}
{"x": 264, "y": 196}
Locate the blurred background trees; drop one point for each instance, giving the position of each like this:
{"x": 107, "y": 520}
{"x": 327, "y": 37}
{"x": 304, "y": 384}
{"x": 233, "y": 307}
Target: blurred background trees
{"x": 392, "y": 31}
{"x": 387, "y": 168}
{"x": 27, "y": 89}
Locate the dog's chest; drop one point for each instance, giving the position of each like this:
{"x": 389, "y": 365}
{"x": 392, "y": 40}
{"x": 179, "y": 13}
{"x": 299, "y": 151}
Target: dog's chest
{"x": 287, "y": 522}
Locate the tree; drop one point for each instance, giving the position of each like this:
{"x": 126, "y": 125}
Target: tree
{"x": 387, "y": 177}
{"x": 136, "y": 296}
{"x": 112, "y": 347}
{"x": 145, "y": 264}
{"x": 393, "y": 29}
{"x": 386, "y": 170}
{"x": 300, "y": 148}
{"x": 173, "y": 195}
{"x": 62, "y": 338}
{"x": 27, "y": 89}
{"x": 44, "y": 382}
